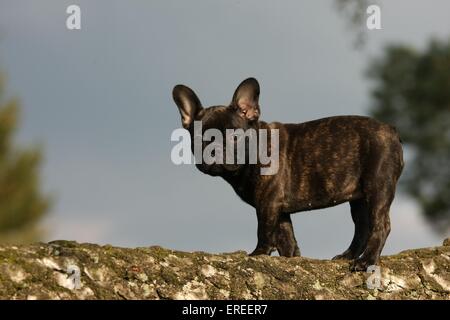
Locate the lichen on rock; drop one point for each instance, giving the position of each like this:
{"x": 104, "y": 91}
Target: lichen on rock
{"x": 44, "y": 271}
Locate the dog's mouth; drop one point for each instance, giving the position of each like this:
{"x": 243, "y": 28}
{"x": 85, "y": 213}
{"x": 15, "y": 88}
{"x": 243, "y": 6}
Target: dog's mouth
{"x": 217, "y": 169}
{"x": 210, "y": 169}
{"x": 231, "y": 167}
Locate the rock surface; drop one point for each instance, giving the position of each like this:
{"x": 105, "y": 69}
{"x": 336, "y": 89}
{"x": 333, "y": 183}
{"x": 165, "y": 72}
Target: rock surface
{"x": 50, "y": 271}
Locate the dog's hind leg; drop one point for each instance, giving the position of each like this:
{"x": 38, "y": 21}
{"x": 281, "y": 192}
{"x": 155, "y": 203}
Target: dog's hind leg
{"x": 379, "y": 190}
{"x": 380, "y": 227}
{"x": 360, "y": 216}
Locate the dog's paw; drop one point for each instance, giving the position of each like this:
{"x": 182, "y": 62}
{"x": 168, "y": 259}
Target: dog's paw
{"x": 288, "y": 251}
{"x": 261, "y": 251}
{"x": 360, "y": 264}
{"x": 343, "y": 256}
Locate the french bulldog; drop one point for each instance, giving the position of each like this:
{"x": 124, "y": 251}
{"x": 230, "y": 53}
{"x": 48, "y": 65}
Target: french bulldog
{"x": 322, "y": 163}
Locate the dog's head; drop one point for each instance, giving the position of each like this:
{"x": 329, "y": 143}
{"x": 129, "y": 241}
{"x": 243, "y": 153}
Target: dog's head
{"x": 242, "y": 113}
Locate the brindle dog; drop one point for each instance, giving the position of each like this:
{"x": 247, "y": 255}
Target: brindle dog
{"x": 322, "y": 163}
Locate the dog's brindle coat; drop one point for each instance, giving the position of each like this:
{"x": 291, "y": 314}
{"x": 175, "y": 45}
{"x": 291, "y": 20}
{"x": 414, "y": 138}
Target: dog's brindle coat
{"x": 322, "y": 163}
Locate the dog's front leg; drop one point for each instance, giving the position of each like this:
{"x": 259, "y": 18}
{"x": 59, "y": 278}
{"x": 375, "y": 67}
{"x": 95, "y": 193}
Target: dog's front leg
{"x": 267, "y": 226}
{"x": 285, "y": 239}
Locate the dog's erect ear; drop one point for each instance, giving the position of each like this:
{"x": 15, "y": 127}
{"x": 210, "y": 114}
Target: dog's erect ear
{"x": 246, "y": 99}
{"x": 188, "y": 103}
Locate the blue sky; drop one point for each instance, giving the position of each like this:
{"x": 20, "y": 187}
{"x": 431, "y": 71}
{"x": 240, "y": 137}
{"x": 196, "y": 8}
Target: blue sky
{"x": 99, "y": 100}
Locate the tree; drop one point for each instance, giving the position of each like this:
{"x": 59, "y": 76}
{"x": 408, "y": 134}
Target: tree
{"x": 22, "y": 204}
{"x": 412, "y": 92}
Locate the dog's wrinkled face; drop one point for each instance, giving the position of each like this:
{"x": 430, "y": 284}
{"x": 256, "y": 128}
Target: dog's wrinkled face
{"x": 220, "y": 118}
{"x": 242, "y": 113}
